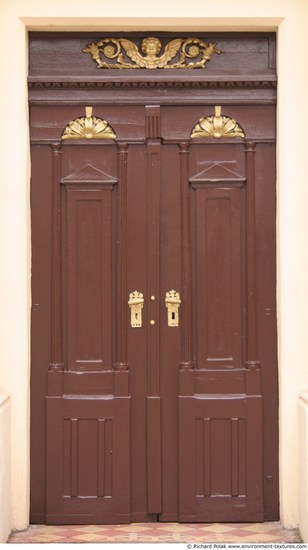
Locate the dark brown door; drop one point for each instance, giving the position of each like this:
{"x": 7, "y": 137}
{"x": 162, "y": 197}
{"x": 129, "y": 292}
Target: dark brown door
{"x": 148, "y": 418}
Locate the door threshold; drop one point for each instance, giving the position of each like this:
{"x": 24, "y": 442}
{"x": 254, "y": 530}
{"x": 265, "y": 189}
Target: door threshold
{"x": 157, "y": 532}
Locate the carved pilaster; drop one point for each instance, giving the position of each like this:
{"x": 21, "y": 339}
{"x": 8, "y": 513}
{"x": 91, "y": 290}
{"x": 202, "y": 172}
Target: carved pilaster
{"x": 186, "y": 305}
{"x": 252, "y": 362}
{"x": 56, "y": 365}
{"x": 121, "y": 294}
{"x": 186, "y": 365}
{"x": 152, "y": 121}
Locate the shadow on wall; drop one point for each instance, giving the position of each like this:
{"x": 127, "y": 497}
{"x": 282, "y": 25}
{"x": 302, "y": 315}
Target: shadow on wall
{"x": 303, "y": 465}
{"x": 5, "y": 466}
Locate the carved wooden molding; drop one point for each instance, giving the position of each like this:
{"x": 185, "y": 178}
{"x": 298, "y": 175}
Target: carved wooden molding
{"x": 176, "y": 54}
{"x": 187, "y": 362}
{"x": 245, "y": 84}
{"x": 252, "y": 360}
{"x": 56, "y": 365}
{"x": 121, "y": 363}
{"x": 88, "y": 127}
{"x": 217, "y": 126}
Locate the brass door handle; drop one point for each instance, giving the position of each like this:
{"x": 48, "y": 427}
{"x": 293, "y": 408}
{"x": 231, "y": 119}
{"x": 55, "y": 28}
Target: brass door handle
{"x": 135, "y": 303}
{"x": 173, "y": 302}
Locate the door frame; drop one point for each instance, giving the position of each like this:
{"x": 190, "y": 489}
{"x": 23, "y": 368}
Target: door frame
{"x": 73, "y": 96}
{"x": 18, "y": 381}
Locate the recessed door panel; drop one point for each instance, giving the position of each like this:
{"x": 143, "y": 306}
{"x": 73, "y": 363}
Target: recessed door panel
{"x": 220, "y": 459}
{"x": 89, "y": 273}
{"x": 219, "y": 276}
{"x": 88, "y": 466}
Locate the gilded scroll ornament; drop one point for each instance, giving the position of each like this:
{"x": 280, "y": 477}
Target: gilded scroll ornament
{"x": 123, "y": 50}
{"x": 88, "y": 127}
{"x": 217, "y": 126}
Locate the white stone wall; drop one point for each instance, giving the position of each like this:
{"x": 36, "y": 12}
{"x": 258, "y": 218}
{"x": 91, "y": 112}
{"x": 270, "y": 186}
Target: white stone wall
{"x": 289, "y": 17}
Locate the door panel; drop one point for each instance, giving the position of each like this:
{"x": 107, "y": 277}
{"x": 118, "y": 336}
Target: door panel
{"x": 88, "y": 406}
{"x": 220, "y": 459}
{"x": 170, "y": 337}
{"x": 137, "y": 348}
{"x": 155, "y": 422}
{"x": 218, "y": 275}
{"x": 216, "y": 394}
{"x": 88, "y": 465}
{"x": 89, "y": 290}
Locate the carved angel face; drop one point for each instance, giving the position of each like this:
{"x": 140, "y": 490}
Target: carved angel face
{"x": 151, "y": 46}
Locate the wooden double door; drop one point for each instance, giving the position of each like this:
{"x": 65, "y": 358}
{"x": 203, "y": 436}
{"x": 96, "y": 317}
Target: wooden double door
{"x": 155, "y": 412}
{"x": 154, "y": 369}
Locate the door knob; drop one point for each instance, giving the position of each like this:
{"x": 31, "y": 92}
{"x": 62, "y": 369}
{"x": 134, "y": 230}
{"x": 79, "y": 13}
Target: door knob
{"x": 135, "y": 303}
{"x": 173, "y": 302}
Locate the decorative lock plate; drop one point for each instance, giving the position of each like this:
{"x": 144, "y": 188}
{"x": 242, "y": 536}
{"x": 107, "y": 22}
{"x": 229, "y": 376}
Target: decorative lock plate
{"x": 173, "y": 301}
{"x": 135, "y": 303}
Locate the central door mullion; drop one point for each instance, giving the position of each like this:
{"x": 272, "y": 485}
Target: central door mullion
{"x": 152, "y": 114}
{"x": 153, "y": 240}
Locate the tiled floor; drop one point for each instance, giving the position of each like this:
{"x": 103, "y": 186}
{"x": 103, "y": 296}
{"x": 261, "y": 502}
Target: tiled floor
{"x": 158, "y": 532}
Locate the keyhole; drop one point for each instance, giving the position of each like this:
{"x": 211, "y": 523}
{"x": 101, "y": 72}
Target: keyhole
{"x": 173, "y": 316}
{"x": 136, "y": 316}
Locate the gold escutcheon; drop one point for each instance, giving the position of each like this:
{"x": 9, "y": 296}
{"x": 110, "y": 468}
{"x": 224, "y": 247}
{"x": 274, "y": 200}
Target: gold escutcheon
{"x": 135, "y": 303}
{"x": 173, "y": 302}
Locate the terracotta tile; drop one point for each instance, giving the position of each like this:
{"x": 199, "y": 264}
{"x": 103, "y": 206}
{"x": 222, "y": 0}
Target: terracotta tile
{"x": 156, "y": 532}
{"x": 133, "y": 527}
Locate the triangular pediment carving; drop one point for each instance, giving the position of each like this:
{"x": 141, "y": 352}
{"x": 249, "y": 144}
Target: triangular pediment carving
{"x": 215, "y": 171}
{"x": 89, "y": 173}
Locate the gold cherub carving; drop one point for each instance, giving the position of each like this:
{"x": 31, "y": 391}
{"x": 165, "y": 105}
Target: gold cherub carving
{"x": 151, "y": 56}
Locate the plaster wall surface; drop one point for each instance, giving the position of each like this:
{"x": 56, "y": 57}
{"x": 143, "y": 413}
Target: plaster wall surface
{"x": 289, "y": 18}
